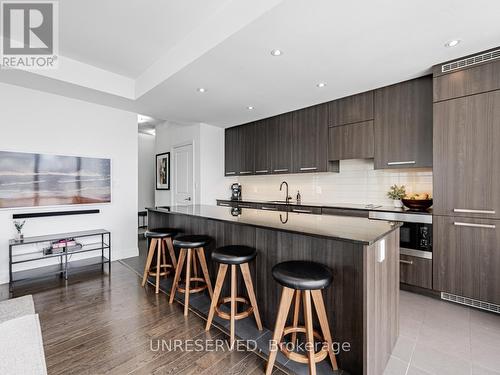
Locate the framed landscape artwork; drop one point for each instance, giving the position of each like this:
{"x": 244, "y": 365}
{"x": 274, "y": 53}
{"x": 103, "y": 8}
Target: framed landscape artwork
{"x": 163, "y": 171}
{"x": 31, "y": 180}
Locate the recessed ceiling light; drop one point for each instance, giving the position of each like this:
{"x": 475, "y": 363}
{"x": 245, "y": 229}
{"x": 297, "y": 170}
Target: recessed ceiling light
{"x": 276, "y": 52}
{"x": 321, "y": 84}
{"x": 250, "y": 107}
{"x": 201, "y": 89}
{"x": 452, "y": 43}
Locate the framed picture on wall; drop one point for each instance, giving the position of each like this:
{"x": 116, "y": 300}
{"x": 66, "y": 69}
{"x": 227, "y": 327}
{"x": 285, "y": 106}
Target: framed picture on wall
{"x": 163, "y": 171}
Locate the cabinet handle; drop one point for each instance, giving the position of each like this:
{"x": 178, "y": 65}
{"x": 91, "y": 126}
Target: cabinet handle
{"x": 410, "y": 262}
{"x": 301, "y": 211}
{"x": 262, "y": 171}
{"x": 281, "y": 170}
{"x": 308, "y": 168}
{"x": 466, "y": 210}
{"x": 245, "y": 172}
{"x": 244, "y": 206}
{"x": 487, "y": 226}
{"x": 224, "y": 204}
{"x": 268, "y": 208}
{"x": 401, "y": 162}
{"x": 228, "y": 173}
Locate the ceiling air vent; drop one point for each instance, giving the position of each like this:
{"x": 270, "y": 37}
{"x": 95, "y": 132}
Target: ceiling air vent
{"x": 471, "y": 302}
{"x": 459, "y": 64}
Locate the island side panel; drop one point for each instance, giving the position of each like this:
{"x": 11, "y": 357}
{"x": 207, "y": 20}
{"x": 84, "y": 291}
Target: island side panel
{"x": 381, "y": 303}
{"x": 343, "y": 299}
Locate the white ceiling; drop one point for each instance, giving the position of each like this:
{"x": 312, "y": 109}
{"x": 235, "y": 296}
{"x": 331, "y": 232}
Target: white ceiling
{"x": 155, "y": 54}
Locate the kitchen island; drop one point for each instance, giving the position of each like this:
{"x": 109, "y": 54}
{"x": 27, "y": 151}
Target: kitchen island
{"x": 363, "y": 301}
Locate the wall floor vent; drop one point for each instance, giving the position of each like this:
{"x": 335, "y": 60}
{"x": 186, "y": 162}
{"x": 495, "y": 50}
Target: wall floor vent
{"x": 491, "y": 307}
{"x": 473, "y": 60}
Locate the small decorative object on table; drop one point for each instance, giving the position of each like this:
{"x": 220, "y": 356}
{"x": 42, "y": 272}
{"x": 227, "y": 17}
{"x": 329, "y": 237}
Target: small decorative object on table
{"x": 19, "y": 227}
{"x": 396, "y": 193}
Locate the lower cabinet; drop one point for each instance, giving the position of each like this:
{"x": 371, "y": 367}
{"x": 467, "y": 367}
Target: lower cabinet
{"x": 415, "y": 271}
{"x": 466, "y": 254}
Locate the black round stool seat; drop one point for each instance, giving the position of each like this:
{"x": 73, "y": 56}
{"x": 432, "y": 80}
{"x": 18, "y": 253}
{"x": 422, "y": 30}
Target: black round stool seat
{"x": 161, "y": 233}
{"x": 234, "y": 254}
{"x": 192, "y": 241}
{"x": 302, "y": 275}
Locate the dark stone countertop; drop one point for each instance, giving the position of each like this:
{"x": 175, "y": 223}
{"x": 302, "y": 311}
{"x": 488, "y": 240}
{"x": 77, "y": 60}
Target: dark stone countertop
{"x": 348, "y": 206}
{"x": 344, "y": 228}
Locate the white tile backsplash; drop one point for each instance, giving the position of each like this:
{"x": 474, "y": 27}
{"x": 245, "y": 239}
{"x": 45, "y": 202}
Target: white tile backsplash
{"x": 357, "y": 182}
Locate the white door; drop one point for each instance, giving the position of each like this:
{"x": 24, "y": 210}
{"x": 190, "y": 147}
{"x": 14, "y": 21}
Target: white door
{"x": 183, "y": 175}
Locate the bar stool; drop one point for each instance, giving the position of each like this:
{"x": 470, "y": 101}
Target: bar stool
{"x": 159, "y": 238}
{"x": 191, "y": 246}
{"x": 302, "y": 279}
{"x": 234, "y": 255}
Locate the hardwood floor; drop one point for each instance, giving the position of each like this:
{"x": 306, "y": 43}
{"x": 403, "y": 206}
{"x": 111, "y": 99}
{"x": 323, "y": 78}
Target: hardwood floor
{"x": 98, "y": 324}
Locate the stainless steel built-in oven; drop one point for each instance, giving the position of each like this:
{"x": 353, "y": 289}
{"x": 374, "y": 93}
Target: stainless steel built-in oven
{"x": 415, "y": 234}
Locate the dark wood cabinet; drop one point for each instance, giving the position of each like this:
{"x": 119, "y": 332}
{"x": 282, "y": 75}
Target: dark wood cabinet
{"x": 470, "y": 81}
{"x": 415, "y": 271}
{"x": 263, "y": 143}
{"x": 403, "y": 125}
{"x": 310, "y": 141}
{"x": 232, "y": 151}
{"x": 467, "y": 156}
{"x": 355, "y": 108}
{"x": 352, "y": 141}
{"x": 281, "y": 142}
{"x": 466, "y": 257}
{"x": 246, "y": 134}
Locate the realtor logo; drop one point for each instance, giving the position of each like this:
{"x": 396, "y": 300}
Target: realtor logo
{"x": 29, "y": 34}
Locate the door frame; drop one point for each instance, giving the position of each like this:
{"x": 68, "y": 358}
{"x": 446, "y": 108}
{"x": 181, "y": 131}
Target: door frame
{"x": 174, "y": 169}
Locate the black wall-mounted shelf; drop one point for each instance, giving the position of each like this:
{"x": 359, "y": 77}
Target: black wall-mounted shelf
{"x": 54, "y": 213}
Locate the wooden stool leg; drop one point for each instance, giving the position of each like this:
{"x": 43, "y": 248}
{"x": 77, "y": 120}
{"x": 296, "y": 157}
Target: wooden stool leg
{"x": 194, "y": 263}
{"x": 149, "y": 259}
{"x": 285, "y": 302}
{"x": 158, "y": 266}
{"x": 247, "y": 277}
{"x": 164, "y": 258}
{"x": 215, "y": 298}
{"x": 188, "y": 281}
{"x": 323, "y": 322}
{"x": 204, "y": 268}
{"x": 233, "y": 303}
{"x": 296, "y": 315}
{"x": 177, "y": 276}
{"x": 170, "y": 247}
{"x": 309, "y": 331}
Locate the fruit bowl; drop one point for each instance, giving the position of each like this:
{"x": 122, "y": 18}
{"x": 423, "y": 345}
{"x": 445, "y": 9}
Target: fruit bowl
{"x": 417, "y": 204}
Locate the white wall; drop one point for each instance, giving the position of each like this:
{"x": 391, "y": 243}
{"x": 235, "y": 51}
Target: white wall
{"x": 146, "y": 172}
{"x": 358, "y": 182}
{"x": 33, "y": 121}
{"x": 208, "y": 155}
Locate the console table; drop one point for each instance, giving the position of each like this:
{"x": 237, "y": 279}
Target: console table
{"x": 28, "y": 251}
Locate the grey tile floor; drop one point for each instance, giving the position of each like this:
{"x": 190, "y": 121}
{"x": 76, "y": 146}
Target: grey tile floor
{"x": 441, "y": 338}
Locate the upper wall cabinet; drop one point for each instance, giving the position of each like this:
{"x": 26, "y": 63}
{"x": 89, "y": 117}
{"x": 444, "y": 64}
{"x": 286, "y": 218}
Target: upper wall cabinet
{"x": 310, "y": 139}
{"x": 281, "y": 142}
{"x": 471, "y": 81}
{"x": 355, "y": 108}
{"x": 352, "y": 141}
{"x": 263, "y": 144}
{"x": 246, "y": 134}
{"x": 350, "y": 135}
{"x": 232, "y": 151}
{"x": 403, "y": 125}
